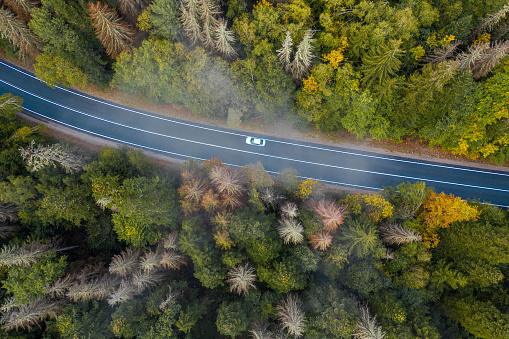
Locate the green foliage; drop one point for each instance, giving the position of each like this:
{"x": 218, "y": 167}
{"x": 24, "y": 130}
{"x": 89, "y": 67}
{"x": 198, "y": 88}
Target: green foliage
{"x": 57, "y": 71}
{"x": 199, "y": 245}
{"x": 196, "y": 243}
{"x": 210, "y": 276}
{"x": 330, "y": 309}
{"x": 145, "y": 208}
{"x": 253, "y": 231}
{"x": 407, "y": 198}
{"x": 363, "y": 277}
{"x": 82, "y": 320}
{"x": 482, "y": 319}
{"x": 289, "y": 181}
{"x": 232, "y": 319}
{"x": 129, "y": 319}
{"x": 381, "y": 64}
{"x": 361, "y": 238}
{"x": 164, "y": 327}
{"x": 387, "y": 305}
{"x": 122, "y": 162}
{"x": 65, "y": 29}
{"x": 72, "y": 204}
{"x": 188, "y": 319}
{"x": 18, "y": 190}
{"x": 334, "y": 260}
{"x": 28, "y": 283}
{"x": 307, "y": 259}
{"x": 283, "y": 276}
{"x": 310, "y": 222}
{"x": 164, "y": 16}
{"x": 264, "y": 84}
{"x": 443, "y": 276}
{"x": 10, "y": 105}
{"x": 474, "y": 241}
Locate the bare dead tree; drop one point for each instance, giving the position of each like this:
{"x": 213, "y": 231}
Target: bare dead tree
{"x": 26, "y": 316}
{"x": 130, "y": 9}
{"x": 172, "y": 260}
{"x": 367, "y": 326}
{"x": 115, "y": 35}
{"x": 270, "y": 197}
{"x": 488, "y": 23}
{"x": 291, "y": 231}
{"x": 189, "y": 18}
{"x": 24, "y": 255}
{"x": 475, "y": 53}
{"x": 285, "y": 52}
{"x": 97, "y": 288}
{"x": 8, "y": 211}
{"x": 150, "y": 260}
{"x": 145, "y": 279}
{"x": 38, "y": 157}
{"x": 22, "y": 8}
{"x": 441, "y": 54}
{"x": 226, "y": 180}
{"x": 330, "y": 214}
{"x": 321, "y": 240}
{"x": 241, "y": 278}
{"x": 289, "y": 210}
{"x": 303, "y": 57}
{"x": 208, "y": 11}
{"x": 224, "y": 39}
{"x": 17, "y": 32}
{"x": 170, "y": 242}
{"x": 60, "y": 287}
{"x": 170, "y": 298}
{"x": 393, "y": 234}
{"x": 291, "y": 316}
{"x": 260, "y": 330}
{"x": 125, "y": 263}
{"x": 8, "y": 231}
{"x": 491, "y": 58}
{"x": 125, "y": 292}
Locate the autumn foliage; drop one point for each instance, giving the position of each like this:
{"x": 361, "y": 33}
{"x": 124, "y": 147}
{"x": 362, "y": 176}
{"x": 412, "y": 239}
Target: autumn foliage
{"x": 440, "y": 211}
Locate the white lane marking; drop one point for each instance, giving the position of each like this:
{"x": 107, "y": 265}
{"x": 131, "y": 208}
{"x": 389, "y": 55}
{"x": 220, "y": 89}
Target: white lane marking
{"x": 255, "y": 153}
{"x": 179, "y": 154}
{"x": 271, "y": 140}
{"x": 188, "y": 156}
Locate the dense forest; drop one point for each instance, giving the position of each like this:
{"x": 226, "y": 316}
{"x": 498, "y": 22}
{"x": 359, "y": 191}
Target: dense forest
{"x": 110, "y": 244}
{"x": 432, "y": 70}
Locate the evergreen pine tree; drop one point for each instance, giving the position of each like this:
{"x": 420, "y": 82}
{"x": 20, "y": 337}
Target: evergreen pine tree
{"x": 381, "y": 64}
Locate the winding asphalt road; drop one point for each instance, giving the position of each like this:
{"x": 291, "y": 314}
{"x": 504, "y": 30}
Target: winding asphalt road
{"x": 183, "y": 139}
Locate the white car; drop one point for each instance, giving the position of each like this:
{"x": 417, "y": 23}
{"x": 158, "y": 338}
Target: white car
{"x": 255, "y": 141}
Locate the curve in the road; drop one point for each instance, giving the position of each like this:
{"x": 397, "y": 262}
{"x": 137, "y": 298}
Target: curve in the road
{"x": 311, "y": 160}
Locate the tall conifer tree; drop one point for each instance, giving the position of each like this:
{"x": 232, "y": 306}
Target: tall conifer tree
{"x": 114, "y": 34}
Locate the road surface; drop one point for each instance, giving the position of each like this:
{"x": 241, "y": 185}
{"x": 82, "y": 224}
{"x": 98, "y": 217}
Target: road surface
{"x": 184, "y": 139}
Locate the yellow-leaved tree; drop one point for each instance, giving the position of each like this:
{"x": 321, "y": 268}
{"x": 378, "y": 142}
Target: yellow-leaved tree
{"x": 440, "y": 211}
